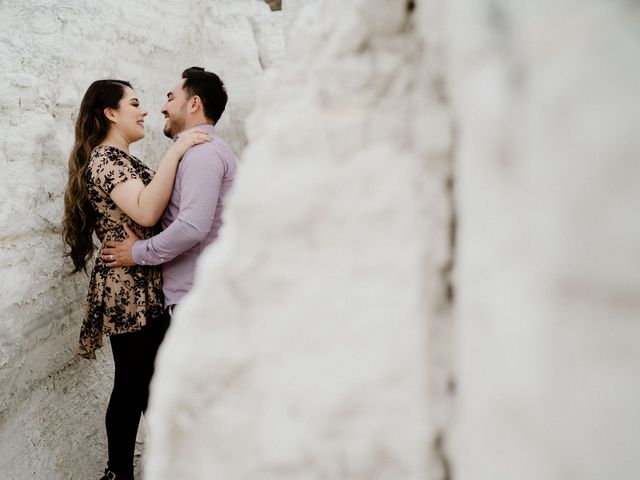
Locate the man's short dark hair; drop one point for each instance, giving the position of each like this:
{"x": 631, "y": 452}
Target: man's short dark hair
{"x": 210, "y": 89}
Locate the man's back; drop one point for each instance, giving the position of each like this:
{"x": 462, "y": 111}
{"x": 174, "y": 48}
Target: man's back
{"x": 193, "y": 217}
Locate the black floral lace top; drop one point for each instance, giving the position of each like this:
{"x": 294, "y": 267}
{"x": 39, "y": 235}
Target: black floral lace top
{"x": 120, "y": 299}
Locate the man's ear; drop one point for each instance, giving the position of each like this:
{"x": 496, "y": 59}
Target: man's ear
{"x": 195, "y": 104}
{"x": 108, "y": 112}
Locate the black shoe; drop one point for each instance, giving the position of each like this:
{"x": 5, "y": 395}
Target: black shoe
{"x": 109, "y": 475}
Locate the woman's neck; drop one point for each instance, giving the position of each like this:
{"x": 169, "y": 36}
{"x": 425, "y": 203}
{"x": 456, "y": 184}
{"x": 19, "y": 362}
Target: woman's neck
{"x": 113, "y": 139}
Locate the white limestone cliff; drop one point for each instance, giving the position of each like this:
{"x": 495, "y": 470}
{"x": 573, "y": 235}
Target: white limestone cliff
{"x": 52, "y": 403}
{"x": 428, "y": 268}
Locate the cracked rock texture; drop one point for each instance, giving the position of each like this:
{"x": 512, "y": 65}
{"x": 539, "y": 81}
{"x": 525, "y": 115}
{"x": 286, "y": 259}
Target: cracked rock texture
{"x": 52, "y": 403}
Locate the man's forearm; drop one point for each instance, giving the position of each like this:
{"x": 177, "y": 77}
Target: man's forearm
{"x": 176, "y": 239}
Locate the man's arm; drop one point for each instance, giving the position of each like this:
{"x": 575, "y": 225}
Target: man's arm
{"x": 200, "y": 184}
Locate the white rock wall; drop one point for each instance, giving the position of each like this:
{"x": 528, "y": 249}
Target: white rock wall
{"x": 326, "y": 337}
{"x": 320, "y": 342}
{"x": 51, "y": 402}
{"x": 291, "y": 11}
{"x": 303, "y": 352}
{"x": 548, "y": 280}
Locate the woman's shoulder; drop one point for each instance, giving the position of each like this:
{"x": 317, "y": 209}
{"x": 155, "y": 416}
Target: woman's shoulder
{"x": 108, "y": 152}
{"x": 107, "y": 156}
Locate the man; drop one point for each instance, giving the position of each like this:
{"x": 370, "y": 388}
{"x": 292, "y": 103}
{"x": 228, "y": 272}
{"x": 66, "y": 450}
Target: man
{"x": 193, "y": 217}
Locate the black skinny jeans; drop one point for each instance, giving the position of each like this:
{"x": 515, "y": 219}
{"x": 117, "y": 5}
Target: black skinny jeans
{"x": 134, "y": 355}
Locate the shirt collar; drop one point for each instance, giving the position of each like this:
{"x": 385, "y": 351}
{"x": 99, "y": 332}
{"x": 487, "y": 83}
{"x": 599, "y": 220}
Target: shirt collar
{"x": 207, "y": 127}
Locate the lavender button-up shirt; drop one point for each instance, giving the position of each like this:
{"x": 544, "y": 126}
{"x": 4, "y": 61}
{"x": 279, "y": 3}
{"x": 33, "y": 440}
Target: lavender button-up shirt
{"x": 193, "y": 217}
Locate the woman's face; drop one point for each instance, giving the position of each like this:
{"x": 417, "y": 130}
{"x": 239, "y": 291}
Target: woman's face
{"x": 128, "y": 119}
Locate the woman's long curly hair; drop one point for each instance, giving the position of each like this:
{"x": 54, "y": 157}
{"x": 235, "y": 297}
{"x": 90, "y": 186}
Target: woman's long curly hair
{"x": 92, "y": 127}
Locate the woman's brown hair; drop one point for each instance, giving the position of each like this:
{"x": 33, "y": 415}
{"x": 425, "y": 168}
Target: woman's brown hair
{"x": 91, "y": 128}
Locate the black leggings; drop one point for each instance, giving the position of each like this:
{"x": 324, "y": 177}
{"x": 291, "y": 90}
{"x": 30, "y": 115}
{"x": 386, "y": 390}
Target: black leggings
{"x": 134, "y": 355}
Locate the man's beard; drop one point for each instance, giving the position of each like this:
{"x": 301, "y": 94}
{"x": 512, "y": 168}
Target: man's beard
{"x": 176, "y": 125}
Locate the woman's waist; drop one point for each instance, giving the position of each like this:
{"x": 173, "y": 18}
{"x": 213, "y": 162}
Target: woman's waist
{"x": 114, "y": 230}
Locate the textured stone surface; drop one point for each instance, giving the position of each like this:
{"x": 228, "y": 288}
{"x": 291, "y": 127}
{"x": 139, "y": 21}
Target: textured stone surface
{"x": 548, "y": 276}
{"x": 274, "y": 4}
{"x": 303, "y": 351}
{"x": 429, "y": 263}
{"x": 319, "y": 340}
{"x": 52, "y": 404}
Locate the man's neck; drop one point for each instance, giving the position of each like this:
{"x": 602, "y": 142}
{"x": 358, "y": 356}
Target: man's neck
{"x": 193, "y": 125}
{"x": 197, "y": 123}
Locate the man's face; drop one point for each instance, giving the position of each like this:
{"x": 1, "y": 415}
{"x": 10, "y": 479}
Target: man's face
{"x": 175, "y": 111}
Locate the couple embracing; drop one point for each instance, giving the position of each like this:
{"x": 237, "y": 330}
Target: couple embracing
{"x": 153, "y": 227}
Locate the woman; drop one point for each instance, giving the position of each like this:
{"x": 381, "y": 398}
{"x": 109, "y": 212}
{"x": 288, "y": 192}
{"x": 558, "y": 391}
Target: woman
{"x": 106, "y": 188}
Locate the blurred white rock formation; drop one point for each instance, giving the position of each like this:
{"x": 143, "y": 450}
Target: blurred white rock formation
{"x": 305, "y": 350}
{"x": 548, "y": 255}
{"x": 325, "y": 337}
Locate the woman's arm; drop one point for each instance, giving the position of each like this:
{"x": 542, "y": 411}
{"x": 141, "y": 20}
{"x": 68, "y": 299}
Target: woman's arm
{"x": 145, "y": 204}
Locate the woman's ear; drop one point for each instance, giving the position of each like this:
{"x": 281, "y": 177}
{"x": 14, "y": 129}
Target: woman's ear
{"x": 109, "y": 113}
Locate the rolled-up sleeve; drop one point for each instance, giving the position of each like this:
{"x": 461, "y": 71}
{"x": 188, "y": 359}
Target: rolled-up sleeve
{"x": 200, "y": 183}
